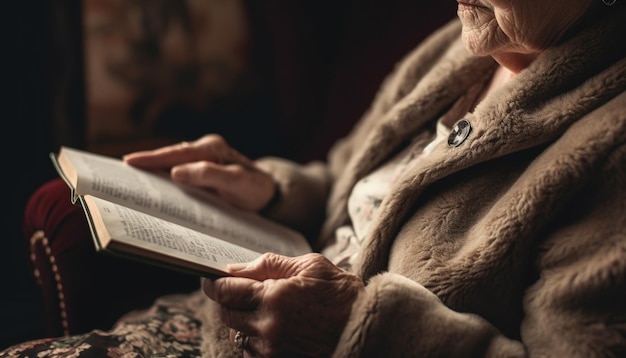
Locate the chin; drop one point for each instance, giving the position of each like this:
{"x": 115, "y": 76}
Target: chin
{"x": 473, "y": 46}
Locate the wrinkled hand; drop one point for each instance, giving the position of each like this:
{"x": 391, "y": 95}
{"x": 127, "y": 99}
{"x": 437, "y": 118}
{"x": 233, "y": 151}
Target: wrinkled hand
{"x": 211, "y": 163}
{"x": 288, "y": 306}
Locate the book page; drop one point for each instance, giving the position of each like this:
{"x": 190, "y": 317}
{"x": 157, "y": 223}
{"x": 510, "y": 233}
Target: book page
{"x": 122, "y": 229}
{"x": 113, "y": 180}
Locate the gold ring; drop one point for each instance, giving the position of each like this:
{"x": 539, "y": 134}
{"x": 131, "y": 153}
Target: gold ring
{"x": 241, "y": 341}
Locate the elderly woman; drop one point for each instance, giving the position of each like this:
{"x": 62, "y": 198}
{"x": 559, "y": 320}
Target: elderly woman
{"x": 478, "y": 208}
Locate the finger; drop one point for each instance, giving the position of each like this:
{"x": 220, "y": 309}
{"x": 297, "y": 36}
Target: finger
{"x": 267, "y": 266}
{"x": 251, "y": 344}
{"x": 210, "y": 175}
{"x": 247, "y": 188}
{"x": 244, "y": 321}
{"x": 222, "y": 151}
{"x": 211, "y": 147}
{"x": 232, "y": 313}
{"x": 250, "y": 353}
{"x": 232, "y": 156}
{"x": 208, "y": 287}
{"x": 235, "y": 293}
{"x": 165, "y": 157}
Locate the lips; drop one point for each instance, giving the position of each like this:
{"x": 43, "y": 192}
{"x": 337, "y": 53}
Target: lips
{"x": 470, "y": 3}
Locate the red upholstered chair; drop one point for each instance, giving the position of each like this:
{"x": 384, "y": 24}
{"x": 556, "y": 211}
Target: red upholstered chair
{"x": 83, "y": 289}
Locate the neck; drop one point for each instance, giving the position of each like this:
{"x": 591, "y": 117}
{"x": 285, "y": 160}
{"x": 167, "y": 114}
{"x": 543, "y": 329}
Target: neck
{"x": 515, "y": 62}
{"x": 500, "y": 77}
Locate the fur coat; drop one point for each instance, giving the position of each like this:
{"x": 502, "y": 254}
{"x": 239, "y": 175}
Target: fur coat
{"x": 512, "y": 243}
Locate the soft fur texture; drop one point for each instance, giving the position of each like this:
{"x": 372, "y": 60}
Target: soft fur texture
{"x": 513, "y": 243}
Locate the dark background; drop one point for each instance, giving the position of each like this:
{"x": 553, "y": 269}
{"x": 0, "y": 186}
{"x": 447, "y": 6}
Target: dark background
{"x": 25, "y": 139}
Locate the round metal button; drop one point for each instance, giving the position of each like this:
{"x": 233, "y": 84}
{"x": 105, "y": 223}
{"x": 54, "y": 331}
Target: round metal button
{"x": 459, "y": 133}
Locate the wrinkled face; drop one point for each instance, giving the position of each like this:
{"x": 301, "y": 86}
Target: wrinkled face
{"x": 517, "y": 26}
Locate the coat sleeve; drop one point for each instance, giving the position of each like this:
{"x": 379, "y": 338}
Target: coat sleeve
{"x": 302, "y": 191}
{"x": 397, "y": 317}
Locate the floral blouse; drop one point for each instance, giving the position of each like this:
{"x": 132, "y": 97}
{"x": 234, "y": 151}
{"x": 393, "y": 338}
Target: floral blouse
{"x": 369, "y": 192}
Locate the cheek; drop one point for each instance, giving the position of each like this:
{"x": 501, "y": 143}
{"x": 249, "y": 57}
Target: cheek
{"x": 482, "y": 34}
{"x": 484, "y": 40}
{"x": 529, "y": 32}
{"x": 520, "y": 31}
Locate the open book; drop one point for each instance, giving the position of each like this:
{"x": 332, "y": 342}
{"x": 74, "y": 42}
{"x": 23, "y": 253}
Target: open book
{"x": 146, "y": 216}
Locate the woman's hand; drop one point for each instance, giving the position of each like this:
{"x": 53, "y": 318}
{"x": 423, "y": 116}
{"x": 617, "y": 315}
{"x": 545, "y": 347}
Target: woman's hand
{"x": 287, "y": 306}
{"x": 211, "y": 163}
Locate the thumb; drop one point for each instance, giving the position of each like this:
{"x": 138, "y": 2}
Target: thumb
{"x": 267, "y": 266}
{"x": 208, "y": 286}
{"x": 233, "y": 269}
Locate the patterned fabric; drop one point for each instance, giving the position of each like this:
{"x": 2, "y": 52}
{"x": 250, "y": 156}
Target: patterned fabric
{"x": 167, "y": 329}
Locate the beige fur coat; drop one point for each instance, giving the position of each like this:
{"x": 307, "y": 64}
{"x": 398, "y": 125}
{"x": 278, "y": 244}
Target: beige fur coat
{"x": 512, "y": 243}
